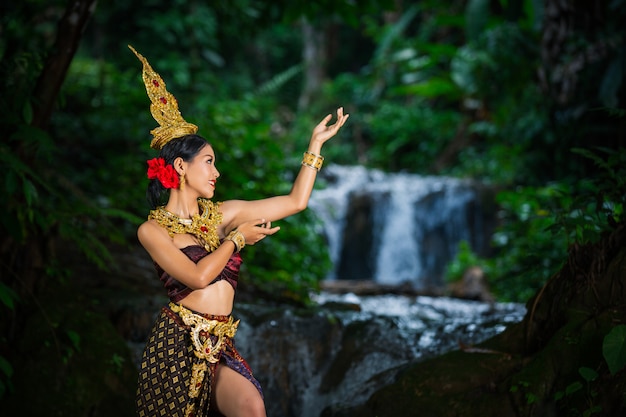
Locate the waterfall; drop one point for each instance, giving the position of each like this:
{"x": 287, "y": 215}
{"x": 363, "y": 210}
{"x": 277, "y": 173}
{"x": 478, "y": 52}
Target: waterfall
{"x": 398, "y": 228}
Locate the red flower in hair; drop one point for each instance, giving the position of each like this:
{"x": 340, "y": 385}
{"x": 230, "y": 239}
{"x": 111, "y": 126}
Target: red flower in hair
{"x": 166, "y": 174}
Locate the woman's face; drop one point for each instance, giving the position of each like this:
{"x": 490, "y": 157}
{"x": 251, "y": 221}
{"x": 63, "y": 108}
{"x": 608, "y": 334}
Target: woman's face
{"x": 201, "y": 174}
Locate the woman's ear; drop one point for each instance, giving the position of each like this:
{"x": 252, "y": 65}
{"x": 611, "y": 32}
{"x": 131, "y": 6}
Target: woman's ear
{"x": 179, "y": 165}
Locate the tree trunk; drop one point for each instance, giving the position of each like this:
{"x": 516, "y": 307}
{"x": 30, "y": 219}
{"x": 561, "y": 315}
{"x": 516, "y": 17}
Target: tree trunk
{"x": 314, "y": 60}
{"x": 70, "y": 30}
{"x": 29, "y": 260}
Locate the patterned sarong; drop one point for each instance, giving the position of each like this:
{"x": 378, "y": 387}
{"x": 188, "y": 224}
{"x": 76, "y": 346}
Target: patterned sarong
{"x": 180, "y": 359}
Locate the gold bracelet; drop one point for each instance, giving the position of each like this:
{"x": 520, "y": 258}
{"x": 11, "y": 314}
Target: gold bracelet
{"x": 237, "y": 238}
{"x": 312, "y": 160}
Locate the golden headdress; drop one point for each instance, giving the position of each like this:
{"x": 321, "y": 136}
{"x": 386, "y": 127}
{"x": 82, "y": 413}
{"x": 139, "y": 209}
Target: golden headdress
{"x": 164, "y": 108}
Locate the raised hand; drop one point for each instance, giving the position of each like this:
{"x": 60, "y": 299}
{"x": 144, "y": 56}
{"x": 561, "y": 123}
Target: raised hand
{"x": 322, "y": 132}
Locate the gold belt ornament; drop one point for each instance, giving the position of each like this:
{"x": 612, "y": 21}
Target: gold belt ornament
{"x": 202, "y": 328}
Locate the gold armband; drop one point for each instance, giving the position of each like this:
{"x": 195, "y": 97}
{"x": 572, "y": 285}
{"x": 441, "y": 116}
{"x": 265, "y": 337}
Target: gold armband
{"x": 237, "y": 238}
{"x": 311, "y": 160}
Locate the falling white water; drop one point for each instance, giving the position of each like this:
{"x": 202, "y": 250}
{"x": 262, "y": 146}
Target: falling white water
{"x": 416, "y": 223}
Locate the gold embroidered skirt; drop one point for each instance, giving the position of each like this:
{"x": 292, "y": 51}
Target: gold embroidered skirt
{"x": 180, "y": 359}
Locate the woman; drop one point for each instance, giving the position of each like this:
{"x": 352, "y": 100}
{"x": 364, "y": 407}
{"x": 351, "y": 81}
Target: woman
{"x": 190, "y": 365}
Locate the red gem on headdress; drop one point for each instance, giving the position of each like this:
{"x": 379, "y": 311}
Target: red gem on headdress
{"x": 204, "y": 229}
{"x": 208, "y": 350}
{"x": 163, "y": 100}
{"x": 155, "y": 82}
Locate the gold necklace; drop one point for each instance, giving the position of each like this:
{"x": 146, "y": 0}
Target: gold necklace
{"x": 203, "y": 226}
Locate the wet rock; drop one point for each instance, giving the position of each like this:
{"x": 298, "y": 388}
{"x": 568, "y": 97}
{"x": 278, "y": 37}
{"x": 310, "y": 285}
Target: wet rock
{"x": 473, "y": 286}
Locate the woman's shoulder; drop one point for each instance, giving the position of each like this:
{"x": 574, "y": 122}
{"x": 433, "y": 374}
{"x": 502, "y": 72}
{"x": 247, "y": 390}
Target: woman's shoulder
{"x": 150, "y": 229}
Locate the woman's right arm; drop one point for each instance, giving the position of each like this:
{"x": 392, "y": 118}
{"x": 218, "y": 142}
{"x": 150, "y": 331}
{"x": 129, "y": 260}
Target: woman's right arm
{"x": 161, "y": 248}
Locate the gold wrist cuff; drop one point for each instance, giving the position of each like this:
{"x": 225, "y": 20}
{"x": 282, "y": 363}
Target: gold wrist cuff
{"x": 237, "y": 238}
{"x": 312, "y": 160}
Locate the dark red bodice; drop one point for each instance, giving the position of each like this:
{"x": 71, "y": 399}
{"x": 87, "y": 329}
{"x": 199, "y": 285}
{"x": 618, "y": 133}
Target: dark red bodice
{"x": 176, "y": 290}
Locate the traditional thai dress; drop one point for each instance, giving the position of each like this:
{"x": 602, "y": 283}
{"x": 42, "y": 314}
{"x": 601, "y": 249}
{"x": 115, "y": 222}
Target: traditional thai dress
{"x": 185, "y": 348}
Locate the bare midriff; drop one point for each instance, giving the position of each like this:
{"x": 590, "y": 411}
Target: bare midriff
{"x": 217, "y": 299}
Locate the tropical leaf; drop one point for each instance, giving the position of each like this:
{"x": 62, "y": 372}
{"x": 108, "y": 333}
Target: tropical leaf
{"x": 614, "y": 348}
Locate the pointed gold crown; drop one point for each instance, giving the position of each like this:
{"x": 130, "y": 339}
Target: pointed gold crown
{"x": 164, "y": 108}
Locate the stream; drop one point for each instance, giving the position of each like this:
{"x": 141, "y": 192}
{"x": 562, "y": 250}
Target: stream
{"x": 337, "y": 355}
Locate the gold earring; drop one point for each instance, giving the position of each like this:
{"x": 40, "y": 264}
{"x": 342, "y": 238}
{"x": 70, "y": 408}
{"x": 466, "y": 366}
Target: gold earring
{"x": 182, "y": 182}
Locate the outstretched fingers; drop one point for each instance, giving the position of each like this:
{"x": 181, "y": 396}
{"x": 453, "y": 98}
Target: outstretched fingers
{"x": 341, "y": 118}
{"x": 267, "y": 229}
{"x": 256, "y": 230}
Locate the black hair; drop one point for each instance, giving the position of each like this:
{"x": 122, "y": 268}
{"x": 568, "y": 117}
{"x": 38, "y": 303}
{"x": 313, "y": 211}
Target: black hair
{"x": 186, "y": 147}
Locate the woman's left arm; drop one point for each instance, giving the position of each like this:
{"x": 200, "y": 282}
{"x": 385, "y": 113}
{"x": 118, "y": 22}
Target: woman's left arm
{"x": 279, "y": 207}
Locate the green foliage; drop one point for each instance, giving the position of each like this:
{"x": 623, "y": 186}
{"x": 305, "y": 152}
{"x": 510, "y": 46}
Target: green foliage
{"x": 508, "y": 113}
{"x": 526, "y": 255}
{"x": 572, "y": 391}
{"x": 597, "y": 203}
{"x": 48, "y": 197}
{"x": 430, "y": 102}
{"x": 117, "y": 363}
{"x": 51, "y": 189}
{"x": 396, "y": 121}
{"x": 8, "y": 297}
{"x": 537, "y": 224}
{"x": 408, "y": 133}
{"x": 614, "y": 348}
{"x": 464, "y": 259}
{"x": 524, "y": 386}
{"x": 5, "y": 376}
{"x": 588, "y": 374}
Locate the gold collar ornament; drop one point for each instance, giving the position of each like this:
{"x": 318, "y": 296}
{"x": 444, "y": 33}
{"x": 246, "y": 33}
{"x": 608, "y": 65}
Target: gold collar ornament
{"x": 203, "y": 226}
{"x": 164, "y": 108}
